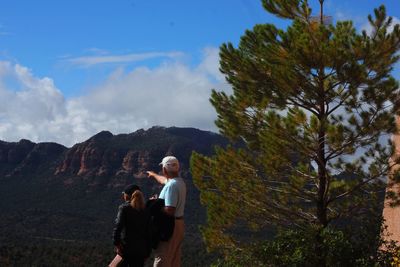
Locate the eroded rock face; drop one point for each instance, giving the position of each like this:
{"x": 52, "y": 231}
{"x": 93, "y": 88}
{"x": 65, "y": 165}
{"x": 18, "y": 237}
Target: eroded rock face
{"x": 135, "y": 163}
{"x": 129, "y": 163}
{"x": 130, "y": 154}
{"x": 70, "y": 162}
{"x": 93, "y": 161}
{"x": 85, "y": 159}
{"x": 391, "y": 215}
{"x": 105, "y": 160}
{"x": 90, "y": 160}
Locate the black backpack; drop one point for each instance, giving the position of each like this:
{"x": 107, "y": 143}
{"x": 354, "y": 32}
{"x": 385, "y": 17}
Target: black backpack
{"x": 161, "y": 224}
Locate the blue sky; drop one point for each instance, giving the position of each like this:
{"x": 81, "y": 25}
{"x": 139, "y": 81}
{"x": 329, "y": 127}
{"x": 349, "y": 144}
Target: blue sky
{"x": 69, "y": 69}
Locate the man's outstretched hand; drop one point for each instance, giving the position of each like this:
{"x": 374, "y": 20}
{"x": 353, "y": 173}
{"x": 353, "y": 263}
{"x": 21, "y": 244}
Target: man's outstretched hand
{"x": 151, "y": 174}
{"x": 159, "y": 178}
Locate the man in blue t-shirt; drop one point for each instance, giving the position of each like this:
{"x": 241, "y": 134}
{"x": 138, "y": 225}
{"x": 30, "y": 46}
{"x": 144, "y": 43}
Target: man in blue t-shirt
{"x": 168, "y": 253}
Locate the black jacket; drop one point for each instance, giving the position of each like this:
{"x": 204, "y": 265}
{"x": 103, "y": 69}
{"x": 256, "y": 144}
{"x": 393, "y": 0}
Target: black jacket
{"x": 162, "y": 225}
{"x": 132, "y": 230}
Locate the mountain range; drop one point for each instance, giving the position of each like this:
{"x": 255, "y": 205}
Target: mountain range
{"x": 49, "y": 191}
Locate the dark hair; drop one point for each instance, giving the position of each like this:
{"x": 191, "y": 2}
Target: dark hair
{"x": 129, "y": 189}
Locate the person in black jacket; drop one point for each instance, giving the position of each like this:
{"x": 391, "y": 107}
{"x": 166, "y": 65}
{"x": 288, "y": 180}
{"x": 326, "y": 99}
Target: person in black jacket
{"x": 131, "y": 231}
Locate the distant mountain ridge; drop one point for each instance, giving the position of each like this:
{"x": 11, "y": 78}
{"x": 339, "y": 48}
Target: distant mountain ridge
{"x": 105, "y": 154}
{"x": 18, "y": 158}
{"x": 50, "y": 191}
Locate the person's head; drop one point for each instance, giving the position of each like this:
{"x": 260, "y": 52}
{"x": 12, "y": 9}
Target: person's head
{"x": 170, "y": 166}
{"x": 133, "y": 194}
{"x": 137, "y": 200}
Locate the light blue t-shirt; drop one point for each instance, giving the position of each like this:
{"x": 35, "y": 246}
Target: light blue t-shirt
{"x": 174, "y": 195}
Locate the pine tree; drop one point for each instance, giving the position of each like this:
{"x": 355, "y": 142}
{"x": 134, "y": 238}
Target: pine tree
{"x": 309, "y": 119}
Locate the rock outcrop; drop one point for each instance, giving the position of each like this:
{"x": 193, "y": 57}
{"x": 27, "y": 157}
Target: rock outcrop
{"x": 132, "y": 154}
{"x": 105, "y": 154}
{"x": 391, "y": 214}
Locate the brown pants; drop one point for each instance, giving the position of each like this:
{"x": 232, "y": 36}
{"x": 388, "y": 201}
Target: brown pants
{"x": 168, "y": 254}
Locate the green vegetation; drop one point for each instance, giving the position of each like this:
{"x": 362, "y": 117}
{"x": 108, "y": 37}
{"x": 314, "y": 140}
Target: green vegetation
{"x": 52, "y": 252}
{"x": 297, "y": 248}
{"x": 312, "y": 109}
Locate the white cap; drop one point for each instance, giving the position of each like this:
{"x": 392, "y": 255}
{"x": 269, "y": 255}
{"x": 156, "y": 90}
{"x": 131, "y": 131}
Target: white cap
{"x": 170, "y": 163}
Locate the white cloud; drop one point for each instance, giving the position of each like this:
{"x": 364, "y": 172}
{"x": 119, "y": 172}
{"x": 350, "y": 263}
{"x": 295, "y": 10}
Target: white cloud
{"x": 210, "y": 64}
{"x": 172, "y": 94}
{"x": 31, "y": 112}
{"x": 88, "y": 61}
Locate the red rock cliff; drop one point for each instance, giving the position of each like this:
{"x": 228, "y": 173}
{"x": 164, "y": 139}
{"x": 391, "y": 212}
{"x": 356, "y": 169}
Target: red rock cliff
{"x": 392, "y": 214}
